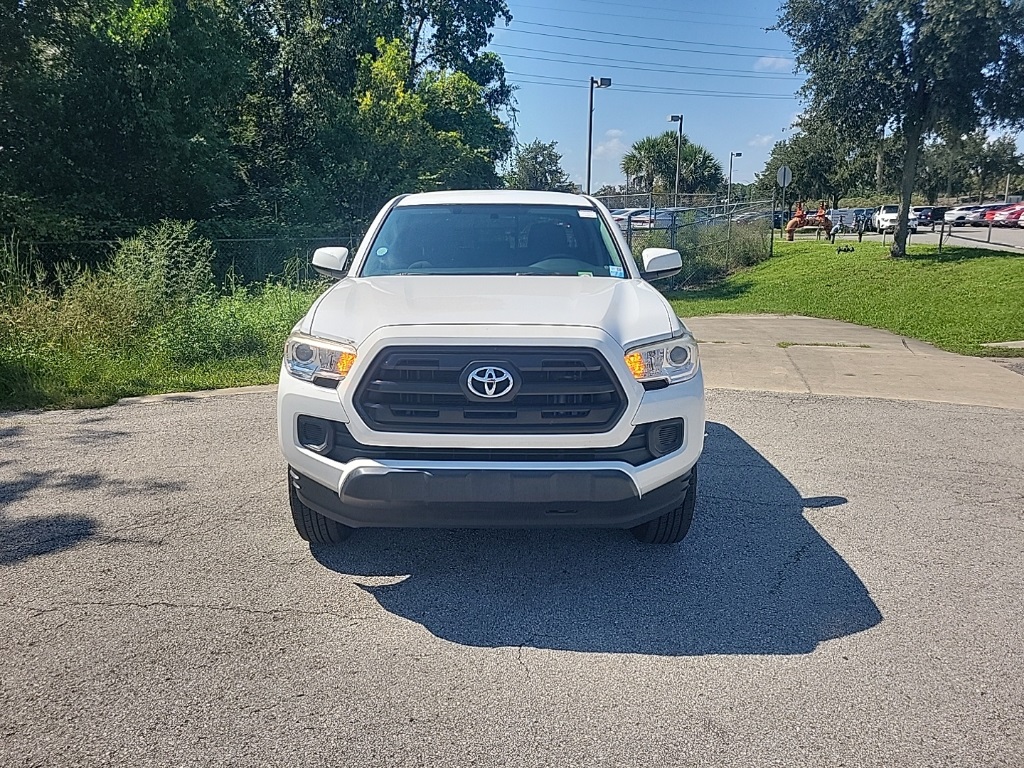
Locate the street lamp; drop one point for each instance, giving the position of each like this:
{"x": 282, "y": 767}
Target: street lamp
{"x": 595, "y": 82}
{"x": 679, "y": 147}
{"x": 728, "y": 195}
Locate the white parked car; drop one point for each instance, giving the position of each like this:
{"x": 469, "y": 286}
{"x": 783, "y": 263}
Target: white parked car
{"x": 976, "y": 217}
{"x": 884, "y": 219}
{"x": 492, "y": 358}
{"x": 958, "y": 216}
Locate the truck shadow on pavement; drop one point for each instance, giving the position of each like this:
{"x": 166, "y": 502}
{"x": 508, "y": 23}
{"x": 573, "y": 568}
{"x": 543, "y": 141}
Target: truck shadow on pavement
{"x": 752, "y": 577}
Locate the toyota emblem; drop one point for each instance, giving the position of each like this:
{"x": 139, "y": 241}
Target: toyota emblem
{"x": 490, "y": 381}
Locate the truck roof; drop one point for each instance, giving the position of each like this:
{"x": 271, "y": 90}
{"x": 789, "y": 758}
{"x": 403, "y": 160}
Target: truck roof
{"x": 496, "y": 197}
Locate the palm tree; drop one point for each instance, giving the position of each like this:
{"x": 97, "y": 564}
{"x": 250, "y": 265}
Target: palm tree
{"x": 699, "y": 171}
{"x": 652, "y": 162}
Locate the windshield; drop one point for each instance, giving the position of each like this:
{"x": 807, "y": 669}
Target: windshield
{"x": 494, "y": 240}
{"x": 890, "y": 209}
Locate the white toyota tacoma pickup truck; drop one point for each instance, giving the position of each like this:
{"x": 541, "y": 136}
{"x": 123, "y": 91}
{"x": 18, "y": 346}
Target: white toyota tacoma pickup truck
{"x": 492, "y": 358}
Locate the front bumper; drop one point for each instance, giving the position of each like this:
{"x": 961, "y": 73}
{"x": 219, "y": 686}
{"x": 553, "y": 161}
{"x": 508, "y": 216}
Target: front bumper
{"x": 391, "y": 487}
{"x": 484, "y": 498}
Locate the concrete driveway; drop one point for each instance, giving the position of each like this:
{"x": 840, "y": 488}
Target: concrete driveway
{"x": 850, "y": 594}
{"x": 825, "y": 357}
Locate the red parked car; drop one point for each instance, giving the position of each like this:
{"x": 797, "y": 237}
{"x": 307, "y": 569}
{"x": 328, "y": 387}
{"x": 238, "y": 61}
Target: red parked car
{"x": 1008, "y": 216}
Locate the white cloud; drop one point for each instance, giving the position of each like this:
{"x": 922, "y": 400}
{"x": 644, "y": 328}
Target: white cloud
{"x": 614, "y": 147}
{"x": 760, "y": 140}
{"x": 773, "y": 64}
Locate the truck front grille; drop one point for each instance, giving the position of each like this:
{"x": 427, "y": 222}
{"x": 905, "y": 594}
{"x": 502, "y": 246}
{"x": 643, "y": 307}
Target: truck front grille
{"x": 424, "y": 389}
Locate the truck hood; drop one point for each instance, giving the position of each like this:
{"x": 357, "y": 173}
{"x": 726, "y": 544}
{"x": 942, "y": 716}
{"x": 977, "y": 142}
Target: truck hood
{"x": 630, "y": 311}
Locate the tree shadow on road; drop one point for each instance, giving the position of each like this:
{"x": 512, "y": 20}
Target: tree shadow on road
{"x": 753, "y": 576}
{"x": 22, "y": 538}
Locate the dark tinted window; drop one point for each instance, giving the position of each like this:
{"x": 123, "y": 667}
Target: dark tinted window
{"x": 494, "y": 240}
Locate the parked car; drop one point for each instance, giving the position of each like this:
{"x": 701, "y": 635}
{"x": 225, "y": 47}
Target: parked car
{"x": 976, "y": 218}
{"x": 935, "y": 216}
{"x": 865, "y": 215}
{"x": 621, "y": 216}
{"x": 885, "y": 218}
{"x": 1007, "y": 216}
{"x": 922, "y": 212}
{"x": 958, "y": 216}
{"x": 661, "y": 218}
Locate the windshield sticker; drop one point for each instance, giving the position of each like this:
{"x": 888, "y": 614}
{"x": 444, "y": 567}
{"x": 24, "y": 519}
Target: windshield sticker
{"x": 585, "y": 274}
{"x": 616, "y": 272}
{"x": 382, "y": 251}
{"x": 587, "y": 213}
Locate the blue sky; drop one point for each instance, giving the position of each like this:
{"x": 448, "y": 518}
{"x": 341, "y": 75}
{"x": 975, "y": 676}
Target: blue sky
{"x": 713, "y": 62}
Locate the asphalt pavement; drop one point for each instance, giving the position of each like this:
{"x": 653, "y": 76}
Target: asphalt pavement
{"x": 996, "y": 238}
{"x": 850, "y": 594}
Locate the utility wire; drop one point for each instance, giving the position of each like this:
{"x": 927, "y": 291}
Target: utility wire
{"x": 663, "y": 8}
{"x": 643, "y": 16}
{"x": 625, "y": 88}
{"x": 661, "y": 67}
{"x": 653, "y": 39}
{"x": 577, "y": 38}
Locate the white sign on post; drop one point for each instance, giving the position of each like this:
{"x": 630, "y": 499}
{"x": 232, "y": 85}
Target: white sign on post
{"x": 784, "y": 176}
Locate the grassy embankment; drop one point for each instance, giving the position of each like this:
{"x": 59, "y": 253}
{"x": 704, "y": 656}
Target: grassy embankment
{"x": 956, "y": 300}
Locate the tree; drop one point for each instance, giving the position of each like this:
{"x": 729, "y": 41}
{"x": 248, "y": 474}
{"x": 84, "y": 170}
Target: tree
{"x": 916, "y": 67}
{"x": 699, "y": 170}
{"x": 652, "y": 162}
{"x": 826, "y": 165}
{"x": 538, "y": 166}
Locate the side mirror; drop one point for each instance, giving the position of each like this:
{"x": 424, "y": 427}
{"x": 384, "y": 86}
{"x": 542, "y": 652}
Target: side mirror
{"x": 660, "y": 263}
{"x": 331, "y": 262}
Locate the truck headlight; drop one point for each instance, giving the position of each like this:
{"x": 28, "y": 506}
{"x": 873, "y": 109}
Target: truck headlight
{"x": 673, "y": 361}
{"x": 309, "y": 358}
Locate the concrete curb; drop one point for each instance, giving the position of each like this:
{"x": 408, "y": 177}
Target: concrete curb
{"x": 202, "y": 394}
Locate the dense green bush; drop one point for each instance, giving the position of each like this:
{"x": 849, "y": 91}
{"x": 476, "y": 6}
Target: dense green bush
{"x": 151, "y": 320}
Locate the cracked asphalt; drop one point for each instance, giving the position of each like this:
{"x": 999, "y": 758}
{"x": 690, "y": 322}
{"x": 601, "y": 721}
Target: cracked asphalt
{"x": 851, "y": 593}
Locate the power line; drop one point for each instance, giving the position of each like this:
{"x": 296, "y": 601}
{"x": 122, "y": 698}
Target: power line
{"x": 653, "y": 39}
{"x": 660, "y": 67}
{"x": 578, "y": 39}
{"x": 645, "y": 17}
{"x": 662, "y": 8}
{"x": 648, "y": 89}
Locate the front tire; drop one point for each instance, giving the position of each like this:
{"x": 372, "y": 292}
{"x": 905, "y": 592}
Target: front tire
{"x": 311, "y": 525}
{"x": 673, "y": 526}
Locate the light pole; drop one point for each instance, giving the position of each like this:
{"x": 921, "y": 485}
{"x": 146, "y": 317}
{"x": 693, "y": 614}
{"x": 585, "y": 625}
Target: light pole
{"x": 728, "y": 195}
{"x": 679, "y": 147}
{"x": 595, "y": 82}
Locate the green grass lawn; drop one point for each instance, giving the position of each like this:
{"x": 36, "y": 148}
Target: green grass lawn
{"x": 956, "y": 300}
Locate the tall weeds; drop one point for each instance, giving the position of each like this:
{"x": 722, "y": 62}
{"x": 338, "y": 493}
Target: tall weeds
{"x": 152, "y": 319}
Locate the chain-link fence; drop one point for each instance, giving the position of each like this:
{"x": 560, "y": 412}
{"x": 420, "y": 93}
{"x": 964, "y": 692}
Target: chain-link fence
{"x": 713, "y": 240}
{"x": 637, "y": 200}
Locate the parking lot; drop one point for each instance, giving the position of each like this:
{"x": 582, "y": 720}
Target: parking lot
{"x": 850, "y": 594}
{"x": 1000, "y": 238}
